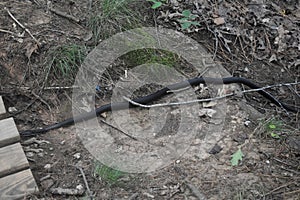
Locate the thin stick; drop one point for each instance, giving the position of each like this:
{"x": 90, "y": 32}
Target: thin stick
{"x": 45, "y": 88}
{"x": 130, "y": 136}
{"x": 85, "y": 182}
{"x": 62, "y": 14}
{"x": 12, "y": 33}
{"x": 208, "y": 99}
{"x": 22, "y": 26}
{"x": 280, "y": 187}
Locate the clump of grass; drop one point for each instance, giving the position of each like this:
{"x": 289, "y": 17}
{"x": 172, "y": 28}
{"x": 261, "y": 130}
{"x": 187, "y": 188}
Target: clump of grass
{"x": 113, "y": 16}
{"x": 107, "y": 174}
{"x": 67, "y": 59}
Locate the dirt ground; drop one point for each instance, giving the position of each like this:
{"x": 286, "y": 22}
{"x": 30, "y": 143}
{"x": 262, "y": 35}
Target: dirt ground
{"x": 259, "y": 40}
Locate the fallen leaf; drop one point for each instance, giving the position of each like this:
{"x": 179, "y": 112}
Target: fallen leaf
{"x": 30, "y": 48}
{"x": 236, "y": 157}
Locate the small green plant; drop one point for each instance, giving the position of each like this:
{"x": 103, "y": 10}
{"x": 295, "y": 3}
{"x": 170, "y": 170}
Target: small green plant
{"x": 107, "y": 174}
{"x": 236, "y": 157}
{"x": 67, "y": 59}
{"x": 156, "y": 4}
{"x": 273, "y": 127}
{"x": 187, "y": 20}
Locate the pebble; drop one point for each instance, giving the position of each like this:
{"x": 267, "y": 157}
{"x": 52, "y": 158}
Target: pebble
{"x": 47, "y": 166}
{"x": 77, "y": 155}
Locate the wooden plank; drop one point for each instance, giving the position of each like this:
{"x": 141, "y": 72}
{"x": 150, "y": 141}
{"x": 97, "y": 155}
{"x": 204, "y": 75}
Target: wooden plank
{"x": 12, "y": 159}
{"x": 8, "y": 132}
{"x": 2, "y": 107}
{"x": 17, "y": 186}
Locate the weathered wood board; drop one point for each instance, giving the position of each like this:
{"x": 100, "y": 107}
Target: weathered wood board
{"x": 16, "y": 180}
{"x": 2, "y": 107}
{"x": 17, "y": 186}
{"x": 12, "y": 159}
{"x": 8, "y": 132}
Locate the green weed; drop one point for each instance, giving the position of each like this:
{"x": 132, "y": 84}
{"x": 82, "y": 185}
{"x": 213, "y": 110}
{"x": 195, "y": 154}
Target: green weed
{"x": 188, "y": 20}
{"x": 157, "y": 4}
{"x": 273, "y": 128}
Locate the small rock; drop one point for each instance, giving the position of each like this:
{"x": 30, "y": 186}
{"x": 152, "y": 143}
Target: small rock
{"x": 178, "y": 161}
{"x": 77, "y": 155}
{"x": 12, "y": 109}
{"x": 216, "y": 149}
{"x": 247, "y": 123}
{"x": 47, "y": 166}
{"x": 79, "y": 187}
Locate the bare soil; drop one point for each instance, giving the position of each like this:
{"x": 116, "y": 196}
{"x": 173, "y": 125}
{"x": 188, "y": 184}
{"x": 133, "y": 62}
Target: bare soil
{"x": 270, "y": 166}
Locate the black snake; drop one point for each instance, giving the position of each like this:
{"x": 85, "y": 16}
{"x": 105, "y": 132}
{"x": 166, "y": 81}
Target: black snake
{"x": 157, "y": 95}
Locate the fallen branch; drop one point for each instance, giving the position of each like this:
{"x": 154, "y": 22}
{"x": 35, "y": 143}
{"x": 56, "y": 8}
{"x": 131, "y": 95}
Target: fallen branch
{"x": 62, "y": 14}
{"x": 22, "y": 26}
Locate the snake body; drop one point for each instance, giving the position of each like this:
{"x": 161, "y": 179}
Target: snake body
{"x": 157, "y": 95}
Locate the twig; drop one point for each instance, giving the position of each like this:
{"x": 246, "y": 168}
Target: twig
{"x": 130, "y": 136}
{"x": 45, "y": 88}
{"x": 90, "y": 4}
{"x": 292, "y": 192}
{"x": 12, "y": 33}
{"x": 85, "y": 182}
{"x": 195, "y": 191}
{"x": 60, "y": 13}
{"x": 280, "y": 187}
{"x": 42, "y": 100}
{"x": 22, "y": 26}
{"x": 208, "y": 99}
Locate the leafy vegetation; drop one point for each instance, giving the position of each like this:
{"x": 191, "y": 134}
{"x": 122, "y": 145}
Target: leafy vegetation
{"x": 157, "y": 4}
{"x": 188, "y": 20}
{"x": 273, "y": 127}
